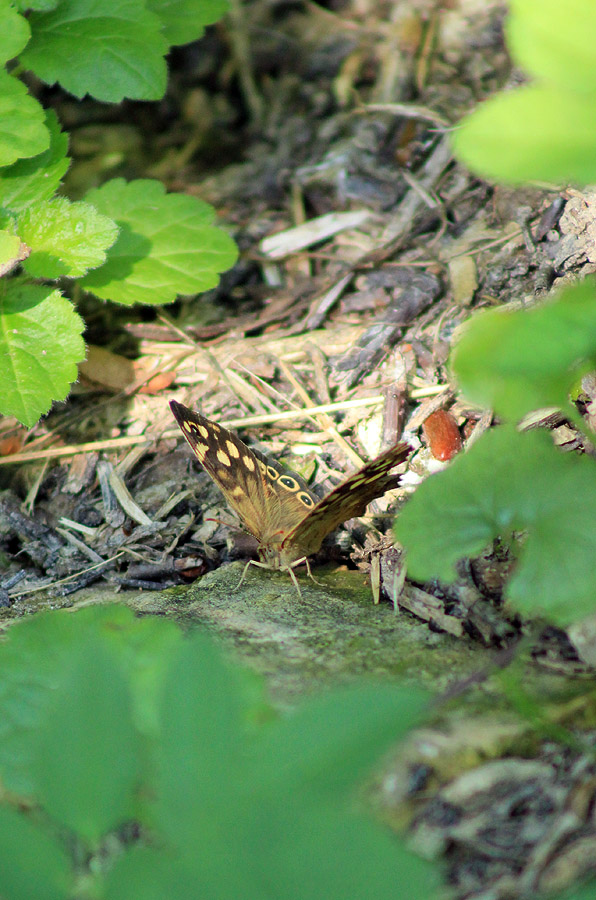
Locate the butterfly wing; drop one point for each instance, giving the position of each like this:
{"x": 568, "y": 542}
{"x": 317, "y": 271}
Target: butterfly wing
{"x": 267, "y": 499}
{"x": 348, "y": 499}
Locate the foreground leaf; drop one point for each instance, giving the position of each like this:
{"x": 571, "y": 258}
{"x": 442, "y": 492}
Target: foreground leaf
{"x": 510, "y": 482}
{"x": 87, "y": 761}
{"x": 515, "y": 362}
{"x": 32, "y": 864}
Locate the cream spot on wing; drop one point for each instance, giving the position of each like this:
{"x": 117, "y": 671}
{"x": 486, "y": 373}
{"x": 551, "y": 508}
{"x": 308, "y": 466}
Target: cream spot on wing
{"x": 248, "y": 463}
{"x": 223, "y": 458}
{"x": 201, "y": 449}
{"x": 233, "y": 449}
{"x": 203, "y": 431}
{"x": 237, "y": 491}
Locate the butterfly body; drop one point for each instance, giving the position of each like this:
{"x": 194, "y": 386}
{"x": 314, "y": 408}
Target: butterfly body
{"x": 276, "y": 506}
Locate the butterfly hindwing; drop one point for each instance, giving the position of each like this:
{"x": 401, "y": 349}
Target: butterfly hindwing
{"x": 348, "y": 499}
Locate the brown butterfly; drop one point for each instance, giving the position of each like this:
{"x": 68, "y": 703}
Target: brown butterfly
{"x": 274, "y": 505}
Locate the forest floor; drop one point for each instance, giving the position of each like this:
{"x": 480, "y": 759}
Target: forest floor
{"x": 321, "y": 137}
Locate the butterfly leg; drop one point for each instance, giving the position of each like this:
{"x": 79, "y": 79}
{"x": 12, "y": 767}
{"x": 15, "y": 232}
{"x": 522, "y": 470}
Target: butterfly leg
{"x": 309, "y": 571}
{"x": 251, "y": 562}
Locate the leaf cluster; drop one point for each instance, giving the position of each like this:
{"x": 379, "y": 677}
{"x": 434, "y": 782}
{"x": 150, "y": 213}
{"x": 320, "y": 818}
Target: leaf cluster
{"x": 127, "y": 242}
{"x": 107, "y": 720}
{"x": 510, "y": 484}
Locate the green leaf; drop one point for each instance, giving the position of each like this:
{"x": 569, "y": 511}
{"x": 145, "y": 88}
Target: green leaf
{"x": 10, "y": 246}
{"x": 65, "y": 238}
{"x": 531, "y": 487}
{"x": 32, "y": 864}
{"x": 23, "y": 131}
{"x": 314, "y": 851}
{"x": 515, "y": 362}
{"x": 31, "y": 180}
{"x": 167, "y": 244}
{"x": 14, "y": 33}
{"x": 34, "y": 662}
{"x": 200, "y": 772}
{"x": 86, "y": 767}
{"x": 185, "y": 20}
{"x": 110, "y": 49}
{"x": 555, "y": 41}
{"x": 533, "y": 133}
{"x": 40, "y": 345}
{"x": 327, "y": 745}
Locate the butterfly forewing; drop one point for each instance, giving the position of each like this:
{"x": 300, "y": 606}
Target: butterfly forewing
{"x": 348, "y": 499}
{"x": 230, "y": 463}
{"x": 269, "y": 500}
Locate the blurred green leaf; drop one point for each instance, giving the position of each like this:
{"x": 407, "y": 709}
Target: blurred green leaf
{"x": 555, "y": 41}
{"x": 32, "y": 864}
{"x": 533, "y": 133}
{"x": 511, "y": 482}
{"x": 86, "y": 766}
{"x": 327, "y": 744}
{"x": 518, "y": 361}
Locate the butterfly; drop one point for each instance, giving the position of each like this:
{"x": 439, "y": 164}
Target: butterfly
{"x": 276, "y": 506}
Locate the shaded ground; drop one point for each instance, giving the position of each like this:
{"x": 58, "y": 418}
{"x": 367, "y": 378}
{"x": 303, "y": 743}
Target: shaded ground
{"x": 296, "y": 112}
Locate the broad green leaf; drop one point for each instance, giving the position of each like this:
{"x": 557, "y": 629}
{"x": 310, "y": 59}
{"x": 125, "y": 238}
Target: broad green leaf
{"x": 65, "y": 238}
{"x": 512, "y": 482}
{"x": 204, "y": 736}
{"x": 32, "y": 864}
{"x": 555, "y": 41}
{"x": 515, "y": 362}
{"x": 327, "y": 745}
{"x": 40, "y": 346}
{"x": 533, "y": 133}
{"x": 87, "y": 763}
{"x": 110, "y": 49}
{"x": 311, "y": 850}
{"x": 167, "y": 244}
{"x": 14, "y": 32}
{"x": 31, "y": 180}
{"x": 23, "y": 131}
{"x": 146, "y": 874}
{"x": 185, "y": 20}
{"x": 34, "y": 661}
{"x": 10, "y": 246}
{"x": 25, "y": 5}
